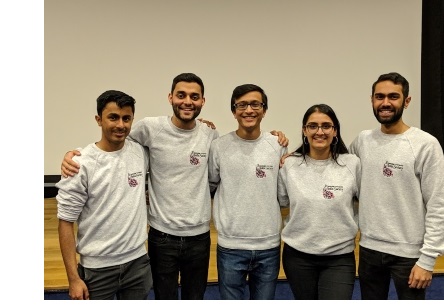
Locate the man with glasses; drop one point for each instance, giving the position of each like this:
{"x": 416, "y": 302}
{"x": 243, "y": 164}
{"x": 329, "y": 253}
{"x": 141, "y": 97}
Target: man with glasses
{"x": 244, "y": 166}
{"x": 401, "y": 203}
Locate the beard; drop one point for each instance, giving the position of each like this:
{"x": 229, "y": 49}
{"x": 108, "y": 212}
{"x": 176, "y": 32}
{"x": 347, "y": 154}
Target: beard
{"x": 389, "y": 120}
{"x": 177, "y": 113}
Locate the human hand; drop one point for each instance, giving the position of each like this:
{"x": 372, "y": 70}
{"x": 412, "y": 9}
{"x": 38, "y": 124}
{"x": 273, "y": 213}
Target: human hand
{"x": 70, "y": 167}
{"x": 209, "y": 123}
{"x": 282, "y": 140}
{"x": 420, "y": 278}
{"x": 78, "y": 290}
{"x": 281, "y": 162}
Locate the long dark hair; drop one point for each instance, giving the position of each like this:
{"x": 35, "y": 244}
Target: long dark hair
{"x": 335, "y": 149}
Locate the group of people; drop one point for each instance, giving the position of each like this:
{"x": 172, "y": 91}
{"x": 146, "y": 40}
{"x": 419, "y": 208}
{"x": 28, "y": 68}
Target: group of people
{"x": 331, "y": 191}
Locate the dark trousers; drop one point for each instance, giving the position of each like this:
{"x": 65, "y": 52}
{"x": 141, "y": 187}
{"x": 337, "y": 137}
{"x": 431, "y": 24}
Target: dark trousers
{"x": 171, "y": 256}
{"x": 131, "y": 280}
{"x": 319, "y": 277}
{"x": 375, "y": 270}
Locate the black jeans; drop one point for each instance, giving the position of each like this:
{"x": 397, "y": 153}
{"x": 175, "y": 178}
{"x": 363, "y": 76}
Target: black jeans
{"x": 172, "y": 255}
{"x": 319, "y": 277}
{"x": 131, "y": 280}
{"x": 375, "y": 270}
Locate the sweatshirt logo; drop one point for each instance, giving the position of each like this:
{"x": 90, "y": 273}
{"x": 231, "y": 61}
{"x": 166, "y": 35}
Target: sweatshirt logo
{"x": 195, "y": 157}
{"x": 327, "y": 191}
{"x": 132, "y": 178}
{"x": 388, "y": 168}
{"x": 260, "y": 173}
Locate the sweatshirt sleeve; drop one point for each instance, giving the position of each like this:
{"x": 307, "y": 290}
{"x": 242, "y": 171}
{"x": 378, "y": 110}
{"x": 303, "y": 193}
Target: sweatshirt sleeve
{"x": 213, "y": 167}
{"x": 283, "y": 198}
{"x": 430, "y": 167}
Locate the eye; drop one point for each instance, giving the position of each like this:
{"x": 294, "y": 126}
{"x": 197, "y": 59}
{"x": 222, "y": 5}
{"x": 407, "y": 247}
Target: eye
{"x": 195, "y": 97}
{"x": 241, "y": 105}
{"x": 312, "y": 126}
{"x": 180, "y": 95}
{"x": 379, "y": 96}
{"x": 326, "y": 126}
{"x": 255, "y": 104}
{"x": 394, "y": 96}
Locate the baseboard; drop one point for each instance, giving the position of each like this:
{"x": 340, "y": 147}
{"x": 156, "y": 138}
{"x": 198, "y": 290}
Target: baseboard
{"x": 49, "y": 185}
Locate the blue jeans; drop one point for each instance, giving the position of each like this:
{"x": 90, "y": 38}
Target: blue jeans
{"x": 261, "y": 267}
{"x": 127, "y": 281}
{"x": 172, "y": 255}
{"x": 319, "y": 277}
{"x": 377, "y": 268}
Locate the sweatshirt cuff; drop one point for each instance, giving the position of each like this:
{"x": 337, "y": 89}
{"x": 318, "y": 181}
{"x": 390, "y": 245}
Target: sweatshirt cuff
{"x": 426, "y": 262}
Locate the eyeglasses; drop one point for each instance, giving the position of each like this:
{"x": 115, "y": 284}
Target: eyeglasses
{"x": 326, "y": 128}
{"x": 253, "y": 105}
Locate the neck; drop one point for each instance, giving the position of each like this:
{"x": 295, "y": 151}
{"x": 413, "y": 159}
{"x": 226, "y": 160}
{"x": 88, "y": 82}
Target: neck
{"x": 395, "y": 128}
{"x": 183, "y": 124}
{"x": 248, "y": 134}
{"x": 319, "y": 155}
{"x": 109, "y": 147}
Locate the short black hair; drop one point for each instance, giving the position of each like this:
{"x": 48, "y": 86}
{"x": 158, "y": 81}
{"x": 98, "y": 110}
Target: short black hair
{"x": 396, "y": 78}
{"x": 244, "y": 89}
{"x": 120, "y": 98}
{"x": 188, "y": 77}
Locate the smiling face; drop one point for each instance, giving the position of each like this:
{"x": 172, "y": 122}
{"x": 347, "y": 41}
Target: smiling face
{"x": 249, "y": 119}
{"x": 389, "y": 103}
{"x": 187, "y": 101}
{"x": 319, "y": 132}
{"x": 116, "y": 125}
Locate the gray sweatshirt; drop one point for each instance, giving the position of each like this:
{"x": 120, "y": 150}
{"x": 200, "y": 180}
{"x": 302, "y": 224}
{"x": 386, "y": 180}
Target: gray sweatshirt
{"x": 401, "y": 208}
{"x": 107, "y": 200}
{"x": 180, "y": 201}
{"x": 246, "y": 211}
{"x": 322, "y": 219}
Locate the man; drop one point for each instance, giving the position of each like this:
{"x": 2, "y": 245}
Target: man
{"x": 179, "y": 194}
{"x": 107, "y": 201}
{"x": 244, "y": 165}
{"x": 401, "y": 204}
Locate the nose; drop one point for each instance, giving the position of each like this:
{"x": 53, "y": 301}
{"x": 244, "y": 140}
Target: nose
{"x": 249, "y": 107}
{"x": 120, "y": 123}
{"x": 187, "y": 100}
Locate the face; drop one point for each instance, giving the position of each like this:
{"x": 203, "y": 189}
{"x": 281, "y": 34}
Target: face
{"x": 116, "y": 125}
{"x": 388, "y": 102}
{"x": 249, "y": 119}
{"x": 187, "y": 101}
{"x": 319, "y": 138}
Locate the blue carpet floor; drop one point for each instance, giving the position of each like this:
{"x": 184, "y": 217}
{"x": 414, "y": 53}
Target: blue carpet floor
{"x": 283, "y": 292}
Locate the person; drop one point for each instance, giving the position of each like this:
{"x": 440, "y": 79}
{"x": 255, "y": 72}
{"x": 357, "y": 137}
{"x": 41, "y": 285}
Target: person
{"x": 106, "y": 200}
{"x": 179, "y": 193}
{"x": 319, "y": 182}
{"x": 243, "y": 170}
{"x": 401, "y": 204}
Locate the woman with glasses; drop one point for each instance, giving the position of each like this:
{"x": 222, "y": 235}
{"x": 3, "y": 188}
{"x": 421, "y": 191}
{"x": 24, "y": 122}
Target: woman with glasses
{"x": 319, "y": 182}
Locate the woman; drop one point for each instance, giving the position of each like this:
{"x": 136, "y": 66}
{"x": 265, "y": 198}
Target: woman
{"x": 319, "y": 182}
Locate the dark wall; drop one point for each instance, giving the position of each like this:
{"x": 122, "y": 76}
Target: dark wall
{"x": 432, "y": 68}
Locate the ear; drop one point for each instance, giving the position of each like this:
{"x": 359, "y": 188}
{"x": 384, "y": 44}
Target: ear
{"x": 407, "y": 102}
{"x": 170, "y": 98}
{"x": 98, "y": 120}
{"x": 203, "y": 101}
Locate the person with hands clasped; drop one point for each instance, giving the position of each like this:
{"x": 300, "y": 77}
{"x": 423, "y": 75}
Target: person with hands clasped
{"x": 319, "y": 182}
